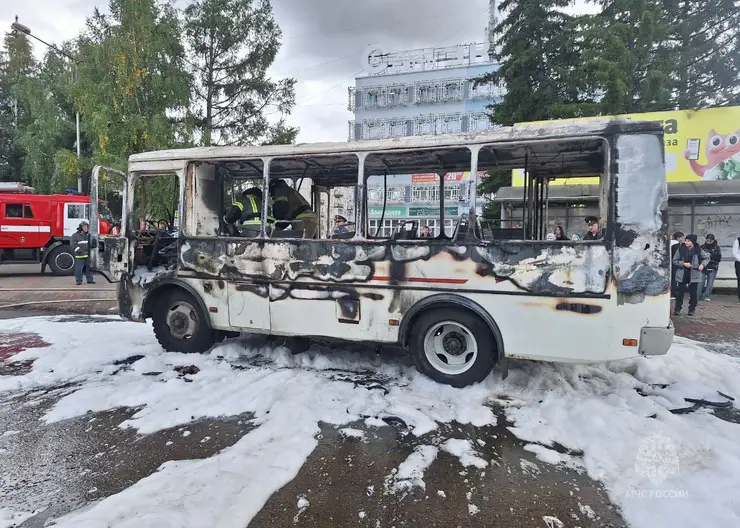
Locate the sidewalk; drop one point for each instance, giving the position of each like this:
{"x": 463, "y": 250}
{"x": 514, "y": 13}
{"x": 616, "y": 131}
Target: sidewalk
{"x": 23, "y": 288}
{"x": 716, "y": 322}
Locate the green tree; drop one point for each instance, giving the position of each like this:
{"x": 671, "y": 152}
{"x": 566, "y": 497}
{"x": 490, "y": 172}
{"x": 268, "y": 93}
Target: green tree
{"x": 705, "y": 50}
{"x": 488, "y": 187}
{"x": 132, "y": 89}
{"x": 233, "y": 43}
{"x": 627, "y": 64}
{"x": 48, "y": 139}
{"x": 538, "y": 58}
{"x": 17, "y": 65}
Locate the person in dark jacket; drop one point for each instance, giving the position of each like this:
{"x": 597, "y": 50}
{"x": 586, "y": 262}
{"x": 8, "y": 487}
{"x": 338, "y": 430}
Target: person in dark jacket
{"x": 689, "y": 261}
{"x": 593, "y": 232}
{"x": 290, "y": 206}
{"x": 248, "y": 211}
{"x": 676, "y": 241}
{"x": 81, "y": 246}
{"x": 711, "y": 248}
{"x": 560, "y": 233}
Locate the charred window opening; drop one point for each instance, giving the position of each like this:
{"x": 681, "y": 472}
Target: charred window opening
{"x": 324, "y": 204}
{"x": 545, "y": 201}
{"x": 154, "y": 221}
{"x": 418, "y": 194}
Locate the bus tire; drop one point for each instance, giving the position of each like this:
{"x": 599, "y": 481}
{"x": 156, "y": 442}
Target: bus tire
{"x": 180, "y": 325}
{"x": 453, "y": 346}
{"x": 61, "y": 261}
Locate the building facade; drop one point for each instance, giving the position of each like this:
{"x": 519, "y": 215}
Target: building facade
{"x": 420, "y": 92}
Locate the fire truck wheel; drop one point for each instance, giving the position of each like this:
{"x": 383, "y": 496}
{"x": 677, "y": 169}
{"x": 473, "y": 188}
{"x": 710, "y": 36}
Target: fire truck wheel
{"x": 180, "y": 325}
{"x": 453, "y": 346}
{"x": 61, "y": 261}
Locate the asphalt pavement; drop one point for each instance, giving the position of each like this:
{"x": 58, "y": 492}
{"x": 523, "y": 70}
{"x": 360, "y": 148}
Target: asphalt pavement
{"x": 57, "y": 468}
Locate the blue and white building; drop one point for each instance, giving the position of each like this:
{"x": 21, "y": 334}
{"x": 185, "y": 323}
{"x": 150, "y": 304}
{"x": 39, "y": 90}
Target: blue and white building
{"x": 420, "y": 92}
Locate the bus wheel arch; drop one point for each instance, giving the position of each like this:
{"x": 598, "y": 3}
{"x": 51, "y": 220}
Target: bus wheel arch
{"x": 463, "y": 325}
{"x": 180, "y": 323}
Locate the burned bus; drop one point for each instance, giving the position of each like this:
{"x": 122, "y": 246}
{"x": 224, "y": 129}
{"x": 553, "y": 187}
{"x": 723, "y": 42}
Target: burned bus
{"x": 459, "y": 303}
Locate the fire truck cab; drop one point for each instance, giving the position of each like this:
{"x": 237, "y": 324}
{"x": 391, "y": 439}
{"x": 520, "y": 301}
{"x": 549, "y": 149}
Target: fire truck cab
{"x": 37, "y": 227}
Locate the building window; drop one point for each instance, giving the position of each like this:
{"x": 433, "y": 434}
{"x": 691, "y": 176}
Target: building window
{"x": 425, "y": 125}
{"x": 449, "y": 229}
{"x": 397, "y": 95}
{"x": 478, "y": 121}
{"x": 452, "y": 192}
{"x": 425, "y": 193}
{"x": 425, "y": 92}
{"x": 488, "y": 90}
{"x": 450, "y": 123}
{"x": 451, "y": 90}
{"x": 389, "y": 227}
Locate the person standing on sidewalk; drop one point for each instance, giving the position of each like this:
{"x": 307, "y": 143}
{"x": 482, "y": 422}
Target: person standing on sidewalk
{"x": 676, "y": 242}
{"x": 81, "y": 246}
{"x": 736, "y": 254}
{"x": 689, "y": 261}
{"x": 706, "y": 285}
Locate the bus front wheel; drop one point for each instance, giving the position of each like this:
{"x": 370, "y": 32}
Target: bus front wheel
{"x": 453, "y": 346}
{"x": 180, "y": 325}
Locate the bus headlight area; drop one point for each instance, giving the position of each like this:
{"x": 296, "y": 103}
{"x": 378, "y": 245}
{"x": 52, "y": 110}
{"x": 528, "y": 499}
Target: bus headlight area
{"x": 255, "y": 249}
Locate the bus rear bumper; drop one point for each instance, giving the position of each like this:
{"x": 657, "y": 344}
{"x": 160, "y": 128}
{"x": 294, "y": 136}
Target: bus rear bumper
{"x": 655, "y": 341}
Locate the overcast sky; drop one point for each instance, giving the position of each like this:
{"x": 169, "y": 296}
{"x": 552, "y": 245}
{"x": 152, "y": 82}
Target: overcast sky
{"x": 323, "y": 42}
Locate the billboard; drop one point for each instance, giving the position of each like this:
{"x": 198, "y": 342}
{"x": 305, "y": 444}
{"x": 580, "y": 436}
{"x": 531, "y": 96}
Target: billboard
{"x": 699, "y": 145}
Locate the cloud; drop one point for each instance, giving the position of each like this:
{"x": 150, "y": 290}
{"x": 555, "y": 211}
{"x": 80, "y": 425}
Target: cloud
{"x": 323, "y": 42}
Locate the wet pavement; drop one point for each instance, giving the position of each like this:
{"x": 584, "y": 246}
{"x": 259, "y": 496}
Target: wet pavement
{"x": 23, "y": 287}
{"x": 347, "y": 481}
{"x": 57, "y": 468}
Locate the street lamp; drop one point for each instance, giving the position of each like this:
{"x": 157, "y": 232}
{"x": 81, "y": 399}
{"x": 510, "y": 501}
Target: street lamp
{"x": 17, "y": 26}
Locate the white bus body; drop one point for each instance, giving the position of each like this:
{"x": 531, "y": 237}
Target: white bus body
{"x": 458, "y": 304}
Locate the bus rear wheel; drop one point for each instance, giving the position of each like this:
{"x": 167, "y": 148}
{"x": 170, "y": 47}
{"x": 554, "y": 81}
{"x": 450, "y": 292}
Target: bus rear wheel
{"x": 180, "y": 325}
{"x": 453, "y": 346}
{"x": 61, "y": 261}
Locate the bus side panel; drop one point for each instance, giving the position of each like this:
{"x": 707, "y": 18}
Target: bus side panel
{"x": 642, "y": 267}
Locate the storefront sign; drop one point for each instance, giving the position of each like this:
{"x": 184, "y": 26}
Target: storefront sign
{"x": 431, "y": 177}
{"x": 390, "y": 212}
{"x": 432, "y": 211}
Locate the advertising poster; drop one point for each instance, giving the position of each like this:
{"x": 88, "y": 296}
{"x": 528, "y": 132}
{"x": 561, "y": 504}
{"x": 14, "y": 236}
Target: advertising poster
{"x": 699, "y": 145}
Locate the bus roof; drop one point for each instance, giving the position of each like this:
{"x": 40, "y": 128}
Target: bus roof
{"x": 336, "y": 163}
{"x": 525, "y": 132}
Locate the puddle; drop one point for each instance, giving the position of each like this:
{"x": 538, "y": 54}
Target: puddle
{"x": 13, "y": 343}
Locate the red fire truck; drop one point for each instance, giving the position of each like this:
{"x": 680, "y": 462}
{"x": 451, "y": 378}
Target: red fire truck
{"x": 37, "y": 227}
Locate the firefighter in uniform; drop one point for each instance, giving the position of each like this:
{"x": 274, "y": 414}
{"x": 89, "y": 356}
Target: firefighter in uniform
{"x": 290, "y": 206}
{"x": 248, "y": 211}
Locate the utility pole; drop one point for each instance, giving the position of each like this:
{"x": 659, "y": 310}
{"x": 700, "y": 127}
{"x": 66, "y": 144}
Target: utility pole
{"x": 17, "y": 26}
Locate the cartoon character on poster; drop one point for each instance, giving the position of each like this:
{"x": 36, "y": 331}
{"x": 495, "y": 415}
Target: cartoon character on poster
{"x": 722, "y": 153}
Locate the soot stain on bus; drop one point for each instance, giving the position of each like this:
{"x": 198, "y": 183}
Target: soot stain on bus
{"x": 266, "y": 269}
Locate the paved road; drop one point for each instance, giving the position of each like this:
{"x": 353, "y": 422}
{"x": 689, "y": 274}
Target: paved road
{"x": 66, "y": 465}
{"x": 22, "y": 287}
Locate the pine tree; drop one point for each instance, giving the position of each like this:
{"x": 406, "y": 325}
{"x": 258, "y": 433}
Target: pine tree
{"x": 233, "y": 44}
{"x": 705, "y": 47}
{"x": 627, "y": 66}
{"x": 538, "y": 58}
